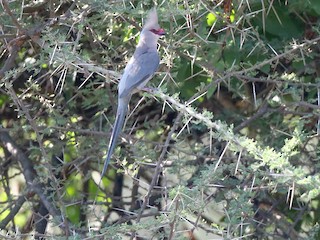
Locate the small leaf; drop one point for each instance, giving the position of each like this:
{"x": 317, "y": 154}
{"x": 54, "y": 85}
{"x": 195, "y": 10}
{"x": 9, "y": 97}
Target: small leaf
{"x": 211, "y": 19}
{"x": 232, "y": 15}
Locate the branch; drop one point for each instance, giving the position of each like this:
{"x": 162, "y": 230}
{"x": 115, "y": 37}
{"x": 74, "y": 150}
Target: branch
{"x": 18, "y": 204}
{"x": 243, "y": 72}
{"x": 158, "y": 168}
{"x": 262, "y": 110}
{"x": 9, "y": 63}
{"x": 13, "y": 18}
{"x": 30, "y": 176}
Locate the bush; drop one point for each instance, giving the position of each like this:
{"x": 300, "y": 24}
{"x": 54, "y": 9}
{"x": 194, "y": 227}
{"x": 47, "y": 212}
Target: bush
{"x": 226, "y": 147}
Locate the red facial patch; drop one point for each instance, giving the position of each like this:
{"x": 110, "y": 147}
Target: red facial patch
{"x": 159, "y": 31}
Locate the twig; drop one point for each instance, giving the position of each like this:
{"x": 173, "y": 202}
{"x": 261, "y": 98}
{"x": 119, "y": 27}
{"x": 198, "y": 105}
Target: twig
{"x": 25, "y": 111}
{"x": 30, "y": 176}
{"x": 9, "y": 63}
{"x": 262, "y": 110}
{"x": 18, "y": 204}
{"x": 13, "y": 18}
{"x": 174, "y": 221}
{"x": 243, "y": 72}
{"x": 158, "y": 167}
{"x": 279, "y": 81}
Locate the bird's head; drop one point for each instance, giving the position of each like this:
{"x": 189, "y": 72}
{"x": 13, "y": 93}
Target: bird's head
{"x": 152, "y": 24}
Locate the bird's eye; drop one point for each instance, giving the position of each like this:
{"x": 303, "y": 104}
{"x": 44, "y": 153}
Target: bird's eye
{"x": 154, "y": 31}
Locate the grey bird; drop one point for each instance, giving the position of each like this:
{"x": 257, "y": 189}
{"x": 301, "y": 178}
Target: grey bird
{"x": 139, "y": 70}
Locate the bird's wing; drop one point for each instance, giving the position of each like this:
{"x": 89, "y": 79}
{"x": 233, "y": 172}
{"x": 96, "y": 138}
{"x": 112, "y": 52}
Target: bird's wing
{"x": 138, "y": 71}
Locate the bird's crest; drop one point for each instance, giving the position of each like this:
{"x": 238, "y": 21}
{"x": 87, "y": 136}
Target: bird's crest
{"x": 152, "y": 19}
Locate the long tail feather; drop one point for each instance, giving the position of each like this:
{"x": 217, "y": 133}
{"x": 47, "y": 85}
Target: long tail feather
{"x": 118, "y": 125}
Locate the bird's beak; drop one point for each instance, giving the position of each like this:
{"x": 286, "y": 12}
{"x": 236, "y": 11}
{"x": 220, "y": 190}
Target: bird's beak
{"x": 161, "y": 32}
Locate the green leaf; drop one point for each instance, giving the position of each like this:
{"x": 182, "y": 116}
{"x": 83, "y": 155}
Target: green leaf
{"x": 280, "y": 23}
{"x": 211, "y": 19}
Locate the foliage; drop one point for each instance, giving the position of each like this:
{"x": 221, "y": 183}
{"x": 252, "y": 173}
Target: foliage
{"x": 226, "y": 147}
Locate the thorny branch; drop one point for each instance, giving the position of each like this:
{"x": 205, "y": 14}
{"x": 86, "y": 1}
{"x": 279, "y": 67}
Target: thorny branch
{"x": 31, "y": 177}
{"x": 79, "y": 65}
